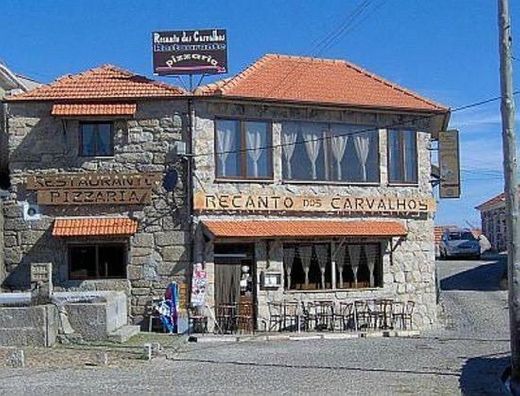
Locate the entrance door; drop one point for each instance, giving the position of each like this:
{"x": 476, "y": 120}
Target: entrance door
{"x": 234, "y": 287}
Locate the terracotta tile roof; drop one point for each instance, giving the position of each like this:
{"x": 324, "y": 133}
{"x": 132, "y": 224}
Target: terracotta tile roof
{"x": 302, "y": 228}
{"x": 105, "y": 82}
{"x": 327, "y": 81}
{"x": 94, "y": 109}
{"x": 492, "y": 202}
{"x": 95, "y": 226}
{"x": 439, "y": 230}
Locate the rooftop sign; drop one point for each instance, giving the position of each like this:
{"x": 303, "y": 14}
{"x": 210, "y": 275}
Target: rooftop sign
{"x": 190, "y": 52}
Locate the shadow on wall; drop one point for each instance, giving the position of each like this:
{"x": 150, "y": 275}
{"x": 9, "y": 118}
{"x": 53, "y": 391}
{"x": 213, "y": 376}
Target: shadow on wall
{"x": 485, "y": 277}
{"x": 44, "y": 250}
{"x": 482, "y": 375}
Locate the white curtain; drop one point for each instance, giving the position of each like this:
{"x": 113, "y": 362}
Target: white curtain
{"x": 323, "y": 258}
{"x": 289, "y": 136}
{"x": 362, "y": 145}
{"x": 254, "y": 139}
{"x": 288, "y": 260}
{"x": 339, "y": 144}
{"x": 224, "y": 144}
{"x": 340, "y": 262}
{"x": 311, "y": 135}
{"x": 371, "y": 254}
{"x": 305, "y": 253}
{"x": 354, "y": 252}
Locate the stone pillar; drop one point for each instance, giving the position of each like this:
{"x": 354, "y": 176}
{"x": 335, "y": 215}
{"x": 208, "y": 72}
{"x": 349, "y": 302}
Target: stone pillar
{"x": 41, "y": 283}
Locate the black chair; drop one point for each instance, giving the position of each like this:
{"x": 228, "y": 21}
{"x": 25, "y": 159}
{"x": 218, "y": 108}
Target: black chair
{"x": 152, "y": 314}
{"x": 290, "y": 318}
{"x": 324, "y": 315}
{"x": 403, "y": 313}
{"x": 197, "y": 321}
{"x": 308, "y": 315}
{"x": 347, "y": 316}
{"x": 362, "y": 312}
{"x": 226, "y": 318}
{"x": 275, "y": 315}
{"x": 245, "y": 318}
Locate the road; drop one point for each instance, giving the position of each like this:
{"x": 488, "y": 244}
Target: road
{"x": 468, "y": 356}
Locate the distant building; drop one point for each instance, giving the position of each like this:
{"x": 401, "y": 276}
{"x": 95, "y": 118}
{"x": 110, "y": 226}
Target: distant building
{"x": 493, "y": 218}
{"x": 10, "y": 84}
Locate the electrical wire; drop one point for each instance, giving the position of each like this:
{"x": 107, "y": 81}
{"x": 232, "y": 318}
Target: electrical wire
{"x": 360, "y": 132}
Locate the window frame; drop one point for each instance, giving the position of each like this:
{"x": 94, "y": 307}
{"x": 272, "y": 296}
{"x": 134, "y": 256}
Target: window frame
{"x": 401, "y": 157}
{"x": 243, "y": 177}
{"x": 81, "y": 152}
{"x": 375, "y": 129}
{"x": 97, "y": 244}
{"x": 334, "y": 268}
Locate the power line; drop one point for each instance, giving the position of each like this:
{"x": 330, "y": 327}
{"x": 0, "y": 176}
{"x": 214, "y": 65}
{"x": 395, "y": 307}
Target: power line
{"x": 360, "y": 132}
{"x": 325, "y": 43}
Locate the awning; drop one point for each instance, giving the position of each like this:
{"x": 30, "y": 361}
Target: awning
{"x": 97, "y": 226}
{"x": 303, "y": 228}
{"x": 94, "y": 109}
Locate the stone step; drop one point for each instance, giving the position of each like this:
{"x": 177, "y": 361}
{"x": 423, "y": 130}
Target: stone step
{"x": 124, "y": 333}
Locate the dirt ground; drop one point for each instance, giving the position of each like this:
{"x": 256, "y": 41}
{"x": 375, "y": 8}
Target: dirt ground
{"x": 92, "y": 354}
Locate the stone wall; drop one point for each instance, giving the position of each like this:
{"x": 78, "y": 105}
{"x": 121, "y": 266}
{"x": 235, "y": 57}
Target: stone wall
{"x": 2, "y": 261}
{"x": 408, "y": 265}
{"x": 3, "y": 143}
{"x": 157, "y": 254}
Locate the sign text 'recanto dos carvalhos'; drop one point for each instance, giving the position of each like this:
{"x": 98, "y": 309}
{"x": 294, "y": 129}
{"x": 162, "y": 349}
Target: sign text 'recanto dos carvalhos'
{"x": 290, "y": 203}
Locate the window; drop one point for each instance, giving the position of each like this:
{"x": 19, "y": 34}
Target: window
{"x": 96, "y": 139}
{"x": 243, "y": 149}
{"x": 309, "y": 266}
{"x": 97, "y": 261}
{"x": 402, "y": 156}
{"x": 330, "y": 152}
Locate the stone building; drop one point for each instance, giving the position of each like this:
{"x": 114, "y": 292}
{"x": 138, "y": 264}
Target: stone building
{"x": 493, "y": 220}
{"x": 311, "y": 182}
{"x": 93, "y": 165}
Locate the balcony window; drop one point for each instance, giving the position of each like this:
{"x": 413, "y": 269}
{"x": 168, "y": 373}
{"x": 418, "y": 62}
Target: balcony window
{"x": 330, "y": 152}
{"x": 243, "y": 149}
{"x": 402, "y": 156}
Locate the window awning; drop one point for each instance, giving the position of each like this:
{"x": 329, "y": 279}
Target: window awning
{"x": 303, "y": 228}
{"x": 97, "y": 226}
{"x": 94, "y": 109}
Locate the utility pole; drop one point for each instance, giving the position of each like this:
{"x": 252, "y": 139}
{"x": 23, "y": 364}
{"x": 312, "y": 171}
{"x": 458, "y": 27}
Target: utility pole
{"x": 510, "y": 188}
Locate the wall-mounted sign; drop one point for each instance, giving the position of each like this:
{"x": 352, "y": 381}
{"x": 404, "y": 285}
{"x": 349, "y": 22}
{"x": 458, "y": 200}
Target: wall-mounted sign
{"x": 190, "y": 52}
{"x": 290, "y": 203}
{"x": 94, "y": 188}
{"x": 449, "y": 164}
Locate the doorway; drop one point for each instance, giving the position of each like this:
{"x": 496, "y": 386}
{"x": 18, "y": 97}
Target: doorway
{"x": 235, "y": 292}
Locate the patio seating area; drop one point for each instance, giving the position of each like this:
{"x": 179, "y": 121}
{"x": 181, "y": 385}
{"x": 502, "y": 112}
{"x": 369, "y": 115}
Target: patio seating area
{"x": 328, "y": 315}
{"x": 315, "y": 316}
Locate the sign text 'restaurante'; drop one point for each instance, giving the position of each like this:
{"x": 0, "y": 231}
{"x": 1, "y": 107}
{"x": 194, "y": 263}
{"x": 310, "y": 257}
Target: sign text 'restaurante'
{"x": 239, "y": 202}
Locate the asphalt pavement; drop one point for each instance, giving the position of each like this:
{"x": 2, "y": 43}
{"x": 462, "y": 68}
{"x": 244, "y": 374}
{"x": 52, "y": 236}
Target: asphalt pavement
{"x": 467, "y": 356}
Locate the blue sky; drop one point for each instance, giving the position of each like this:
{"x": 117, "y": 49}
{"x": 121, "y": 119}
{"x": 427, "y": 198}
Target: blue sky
{"x": 445, "y": 50}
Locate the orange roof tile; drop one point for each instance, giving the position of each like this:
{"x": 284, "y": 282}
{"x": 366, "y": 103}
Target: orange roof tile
{"x": 327, "y": 81}
{"x": 105, "y": 82}
{"x": 94, "y": 109}
{"x": 302, "y": 228}
{"x": 439, "y": 230}
{"x": 96, "y": 226}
